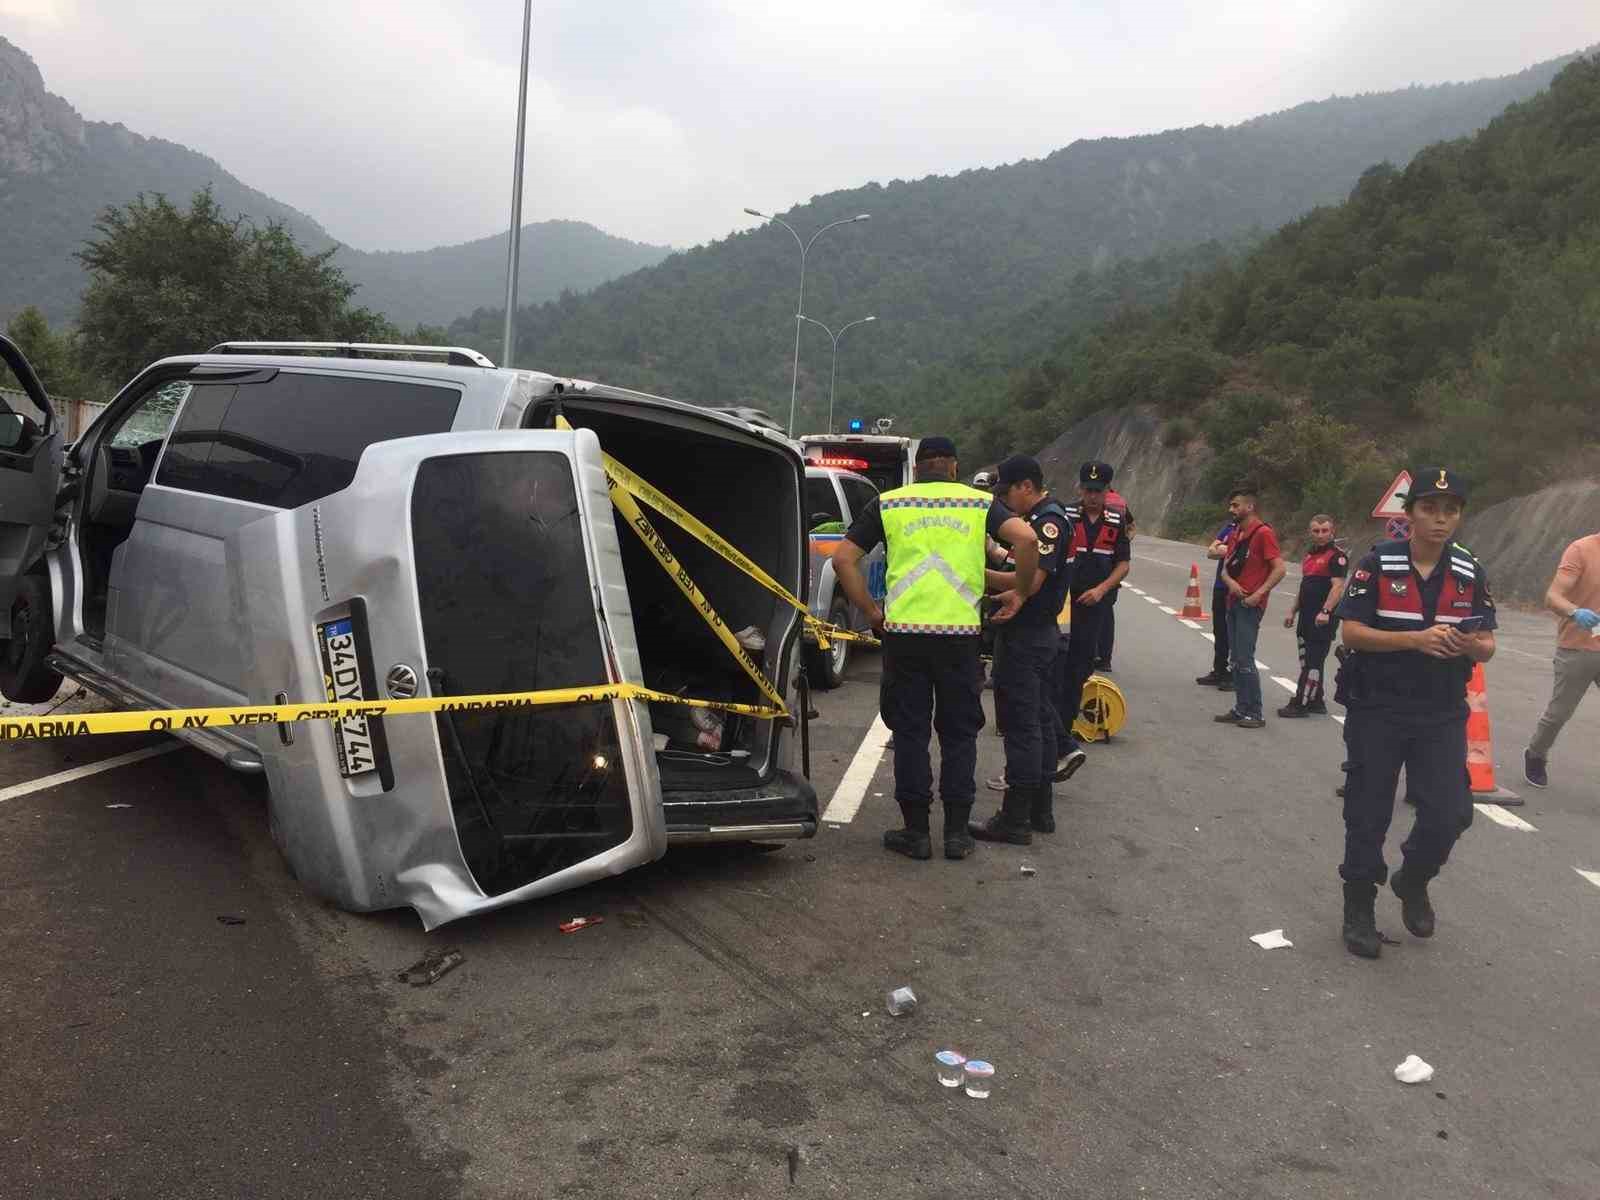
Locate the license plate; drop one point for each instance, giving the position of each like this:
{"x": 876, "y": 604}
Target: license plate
{"x": 341, "y": 679}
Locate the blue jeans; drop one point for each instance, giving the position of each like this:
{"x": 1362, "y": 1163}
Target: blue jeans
{"x": 1244, "y": 626}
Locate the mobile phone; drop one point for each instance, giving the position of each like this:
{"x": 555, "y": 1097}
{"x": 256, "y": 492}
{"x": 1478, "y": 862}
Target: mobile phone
{"x": 1469, "y": 625}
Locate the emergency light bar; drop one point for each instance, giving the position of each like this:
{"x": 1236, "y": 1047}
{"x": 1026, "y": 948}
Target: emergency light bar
{"x": 848, "y": 464}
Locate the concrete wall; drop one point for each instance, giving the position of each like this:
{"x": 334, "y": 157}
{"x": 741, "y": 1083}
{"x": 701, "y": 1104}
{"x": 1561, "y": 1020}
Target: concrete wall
{"x": 1156, "y": 480}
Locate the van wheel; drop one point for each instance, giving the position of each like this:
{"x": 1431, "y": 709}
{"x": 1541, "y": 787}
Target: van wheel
{"x": 825, "y": 668}
{"x": 24, "y": 677}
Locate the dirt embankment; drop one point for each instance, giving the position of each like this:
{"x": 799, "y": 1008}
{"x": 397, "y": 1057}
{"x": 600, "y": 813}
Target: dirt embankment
{"x": 1521, "y": 540}
{"x": 1156, "y": 480}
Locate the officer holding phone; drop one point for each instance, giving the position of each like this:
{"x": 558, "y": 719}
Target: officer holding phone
{"x": 1417, "y": 615}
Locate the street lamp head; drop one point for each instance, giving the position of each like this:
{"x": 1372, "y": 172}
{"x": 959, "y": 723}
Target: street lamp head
{"x": 864, "y": 320}
{"x": 754, "y": 213}
{"x": 862, "y": 217}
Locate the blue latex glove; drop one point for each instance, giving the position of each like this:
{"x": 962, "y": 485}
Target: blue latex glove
{"x": 1587, "y": 617}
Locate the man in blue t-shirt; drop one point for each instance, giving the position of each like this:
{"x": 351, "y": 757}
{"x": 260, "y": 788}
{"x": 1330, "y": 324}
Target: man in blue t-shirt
{"x": 1221, "y": 675}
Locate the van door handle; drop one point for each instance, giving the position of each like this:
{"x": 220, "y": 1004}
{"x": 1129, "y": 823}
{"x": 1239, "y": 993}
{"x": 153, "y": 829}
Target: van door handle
{"x": 285, "y": 730}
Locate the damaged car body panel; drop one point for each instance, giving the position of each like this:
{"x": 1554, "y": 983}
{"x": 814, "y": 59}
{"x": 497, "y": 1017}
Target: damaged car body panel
{"x": 455, "y": 564}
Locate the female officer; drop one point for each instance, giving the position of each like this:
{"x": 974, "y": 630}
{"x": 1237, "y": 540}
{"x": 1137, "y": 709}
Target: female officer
{"x": 1417, "y": 615}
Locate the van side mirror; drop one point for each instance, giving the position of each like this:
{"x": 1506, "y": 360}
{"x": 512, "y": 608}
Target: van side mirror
{"x": 12, "y": 428}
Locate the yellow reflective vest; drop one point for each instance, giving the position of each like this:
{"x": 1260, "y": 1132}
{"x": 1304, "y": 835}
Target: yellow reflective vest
{"x": 934, "y": 534}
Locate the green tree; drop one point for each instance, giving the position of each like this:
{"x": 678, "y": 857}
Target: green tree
{"x": 168, "y": 281}
{"x": 54, "y": 356}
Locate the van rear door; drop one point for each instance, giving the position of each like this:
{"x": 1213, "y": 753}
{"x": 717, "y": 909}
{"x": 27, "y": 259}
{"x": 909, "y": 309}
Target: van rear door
{"x": 457, "y": 564}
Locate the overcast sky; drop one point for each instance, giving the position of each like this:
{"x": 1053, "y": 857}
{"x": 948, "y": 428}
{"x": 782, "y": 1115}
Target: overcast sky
{"x": 392, "y": 121}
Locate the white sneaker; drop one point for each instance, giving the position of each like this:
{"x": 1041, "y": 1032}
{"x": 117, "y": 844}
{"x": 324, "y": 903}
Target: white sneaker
{"x": 1068, "y": 764}
{"x": 997, "y": 784}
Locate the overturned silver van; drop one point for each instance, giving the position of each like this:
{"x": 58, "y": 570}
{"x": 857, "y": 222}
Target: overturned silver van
{"x": 292, "y": 522}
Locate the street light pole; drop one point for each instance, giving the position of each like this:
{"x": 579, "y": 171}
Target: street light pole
{"x": 508, "y": 341}
{"x": 833, "y": 372}
{"x": 800, "y": 305}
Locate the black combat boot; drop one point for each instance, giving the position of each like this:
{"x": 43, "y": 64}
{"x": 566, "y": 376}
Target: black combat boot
{"x": 913, "y": 841}
{"x": 1042, "y": 816}
{"x": 1010, "y": 824}
{"x": 1360, "y": 921}
{"x": 958, "y": 843}
{"x": 1415, "y": 910}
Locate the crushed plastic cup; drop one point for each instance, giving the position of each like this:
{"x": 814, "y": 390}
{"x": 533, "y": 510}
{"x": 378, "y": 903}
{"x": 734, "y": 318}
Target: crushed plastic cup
{"x": 950, "y": 1064}
{"x": 901, "y": 1001}
{"x": 978, "y": 1076}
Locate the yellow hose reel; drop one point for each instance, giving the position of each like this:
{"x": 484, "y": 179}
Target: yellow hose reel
{"x": 1103, "y": 712}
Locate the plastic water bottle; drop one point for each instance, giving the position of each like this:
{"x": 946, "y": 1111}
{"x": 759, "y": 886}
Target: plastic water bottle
{"x": 901, "y": 1001}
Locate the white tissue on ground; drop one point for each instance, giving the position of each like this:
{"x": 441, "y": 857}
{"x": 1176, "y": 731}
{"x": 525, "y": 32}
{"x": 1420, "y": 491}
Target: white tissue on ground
{"x": 1413, "y": 1070}
{"x": 1272, "y": 939}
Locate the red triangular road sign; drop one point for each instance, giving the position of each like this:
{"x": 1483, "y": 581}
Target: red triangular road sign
{"x": 1390, "y": 505}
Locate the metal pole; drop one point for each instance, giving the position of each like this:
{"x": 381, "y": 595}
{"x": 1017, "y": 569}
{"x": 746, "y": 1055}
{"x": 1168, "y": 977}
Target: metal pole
{"x": 835, "y": 371}
{"x": 508, "y": 340}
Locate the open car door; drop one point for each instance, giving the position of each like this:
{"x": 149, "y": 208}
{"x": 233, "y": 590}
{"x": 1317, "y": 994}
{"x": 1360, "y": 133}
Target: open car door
{"x": 457, "y": 564}
{"x": 30, "y": 473}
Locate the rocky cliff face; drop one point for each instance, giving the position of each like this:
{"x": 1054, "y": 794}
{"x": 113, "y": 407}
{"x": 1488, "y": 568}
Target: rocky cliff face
{"x": 37, "y": 130}
{"x": 1156, "y": 480}
{"x": 1521, "y": 540}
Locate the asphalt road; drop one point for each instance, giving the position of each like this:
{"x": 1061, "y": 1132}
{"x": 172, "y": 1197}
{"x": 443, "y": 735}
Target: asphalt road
{"x": 723, "y": 1033}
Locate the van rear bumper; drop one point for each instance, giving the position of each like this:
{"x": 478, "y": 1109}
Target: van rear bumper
{"x": 784, "y": 807}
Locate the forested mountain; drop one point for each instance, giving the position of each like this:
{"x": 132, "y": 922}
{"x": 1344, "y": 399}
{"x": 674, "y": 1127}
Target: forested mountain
{"x": 58, "y": 173}
{"x": 950, "y": 264}
{"x": 1447, "y": 312}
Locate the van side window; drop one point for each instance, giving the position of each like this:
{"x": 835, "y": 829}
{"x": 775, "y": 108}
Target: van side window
{"x": 296, "y": 437}
{"x": 822, "y": 505}
{"x": 858, "y": 493}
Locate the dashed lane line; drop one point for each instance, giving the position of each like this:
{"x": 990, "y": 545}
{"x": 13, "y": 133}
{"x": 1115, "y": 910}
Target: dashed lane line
{"x": 1501, "y": 816}
{"x": 858, "y": 775}
{"x": 1194, "y": 625}
{"x": 18, "y": 790}
{"x": 1287, "y": 685}
{"x": 1169, "y": 610}
{"x": 1149, "y": 599}
{"x": 1592, "y": 876}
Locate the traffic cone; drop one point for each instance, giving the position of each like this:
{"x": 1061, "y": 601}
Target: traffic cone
{"x": 1480, "y": 754}
{"x": 1191, "y": 599}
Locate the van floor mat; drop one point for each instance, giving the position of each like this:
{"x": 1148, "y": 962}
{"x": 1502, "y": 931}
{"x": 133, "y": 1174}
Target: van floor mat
{"x": 685, "y": 774}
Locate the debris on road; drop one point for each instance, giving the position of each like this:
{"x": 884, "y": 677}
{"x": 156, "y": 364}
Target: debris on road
{"x": 226, "y": 918}
{"x": 578, "y": 923}
{"x": 635, "y": 920}
{"x": 901, "y": 1001}
{"x": 1413, "y": 1070}
{"x": 1029, "y": 871}
{"x": 431, "y": 968}
{"x": 1272, "y": 939}
{"x": 951, "y": 1064}
{"x": 978, "y": 1077}
{"x": 119, "y": 806}
{"x": 797, "y": 1158}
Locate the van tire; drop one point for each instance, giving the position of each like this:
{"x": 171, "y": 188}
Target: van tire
{"x": 825, "y": 668}
{"x": 24, "y": 676}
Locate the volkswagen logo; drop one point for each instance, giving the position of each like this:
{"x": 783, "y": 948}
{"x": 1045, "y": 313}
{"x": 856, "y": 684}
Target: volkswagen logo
{"x": 400, "y": 682}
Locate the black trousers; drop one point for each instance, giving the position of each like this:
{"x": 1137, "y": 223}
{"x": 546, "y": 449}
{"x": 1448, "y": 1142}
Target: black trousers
{"x": 1219, "y": 631}
{"x": 930, "y": 683}
{"x": 1433, "y": 749}
{"x": 1314, "y": 642}
{"x": 1074, "y": 668}
{"x": 1108, "y": 627}
{"x": 1023, "y": 682}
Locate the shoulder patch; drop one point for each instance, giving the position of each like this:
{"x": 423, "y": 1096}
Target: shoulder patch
{"x": 1050, "y": 530}
{"x": 1362, "y": 574}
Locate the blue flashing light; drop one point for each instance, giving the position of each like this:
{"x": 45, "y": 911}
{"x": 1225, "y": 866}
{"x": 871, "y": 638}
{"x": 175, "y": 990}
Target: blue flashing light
{"x": 857, "y": 425}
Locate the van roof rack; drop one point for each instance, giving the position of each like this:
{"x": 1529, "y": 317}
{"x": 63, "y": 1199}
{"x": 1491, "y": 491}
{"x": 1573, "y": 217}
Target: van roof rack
{"x": 455, "y": 356}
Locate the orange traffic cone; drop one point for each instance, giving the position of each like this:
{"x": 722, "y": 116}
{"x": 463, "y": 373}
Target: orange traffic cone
{"x": 1191, "y": 599}
{"x": 1480, "y": 754}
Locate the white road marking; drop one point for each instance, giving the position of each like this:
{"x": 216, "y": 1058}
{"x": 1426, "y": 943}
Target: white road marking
{"x": 1169, "y": 610}
{"x": 1338, "y": 718}
{"x": 1134, "y": 590}
{"x": 1192, "y": 625}
{"x": 1501, "y": 817}
{"x": 1592, "y": 876}
{"x": 858, "y": 775}
{"x": 17, "y": 790}
{"x": 1261, "y": 666}
{"x": 1149, "y": 599}
{"x": 1210, "y": 637}
{"x": 1287, "y": 685}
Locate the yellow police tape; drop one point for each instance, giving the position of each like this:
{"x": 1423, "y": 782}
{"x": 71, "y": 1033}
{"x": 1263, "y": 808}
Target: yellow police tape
{"x": 628, "y": 481}
{"x": 169, "y": 720}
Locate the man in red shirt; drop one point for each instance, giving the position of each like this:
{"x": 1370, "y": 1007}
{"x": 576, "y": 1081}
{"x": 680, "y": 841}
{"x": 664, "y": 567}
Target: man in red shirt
{"x": 1253, "y": 567}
